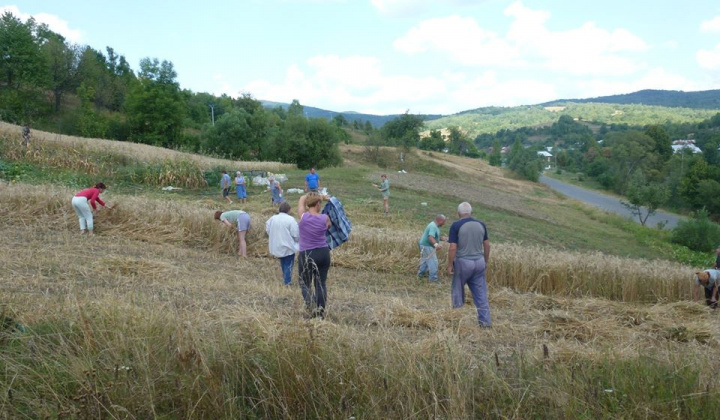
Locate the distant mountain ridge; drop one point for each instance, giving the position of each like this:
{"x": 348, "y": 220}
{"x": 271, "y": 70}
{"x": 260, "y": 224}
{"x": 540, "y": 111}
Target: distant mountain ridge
{"x": 706, "y": 99}
{"x": 699, "y": 100}
{"x": 376, "y": 120}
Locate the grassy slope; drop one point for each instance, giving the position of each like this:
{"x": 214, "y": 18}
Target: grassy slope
{"x": 483, "y": 121}
{"x": 155, "y": 317}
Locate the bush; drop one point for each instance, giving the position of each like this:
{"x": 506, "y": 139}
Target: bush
{"x": 698, "y": 233}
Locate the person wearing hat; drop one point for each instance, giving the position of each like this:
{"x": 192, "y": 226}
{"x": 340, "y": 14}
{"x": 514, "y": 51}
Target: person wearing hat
{"x": 709, "y": 280}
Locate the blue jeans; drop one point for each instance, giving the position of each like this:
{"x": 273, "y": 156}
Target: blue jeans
{"x": 472, "y": 273}
{"x": 428, "y": 262}
{"x": 286, "y": 263}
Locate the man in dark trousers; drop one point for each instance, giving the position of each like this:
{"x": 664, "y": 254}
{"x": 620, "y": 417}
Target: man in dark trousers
{"x": 467, "y": 260}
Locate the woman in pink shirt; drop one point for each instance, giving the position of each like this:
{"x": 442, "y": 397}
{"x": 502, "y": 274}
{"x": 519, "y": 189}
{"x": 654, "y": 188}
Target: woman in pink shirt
{"x": 314, "y": 256}
{"x": 82, "y": 208}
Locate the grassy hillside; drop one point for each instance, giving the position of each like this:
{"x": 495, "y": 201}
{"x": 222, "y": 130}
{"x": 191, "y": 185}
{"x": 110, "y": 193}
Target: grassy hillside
{"x": 156, "y": 317}
{"x": 491, "y": 120}
{"x": 707, "y": 99}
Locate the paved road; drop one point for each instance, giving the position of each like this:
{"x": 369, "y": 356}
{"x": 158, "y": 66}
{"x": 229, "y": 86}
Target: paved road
{"x": 607, "y": 202}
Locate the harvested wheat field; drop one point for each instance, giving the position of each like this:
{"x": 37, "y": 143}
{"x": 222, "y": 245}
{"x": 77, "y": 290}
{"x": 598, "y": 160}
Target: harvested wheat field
{"x": 155, "y": 317}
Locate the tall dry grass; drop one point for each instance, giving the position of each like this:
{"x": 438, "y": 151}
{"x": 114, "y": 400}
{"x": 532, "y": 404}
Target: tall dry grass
{"x": 136, "y": 151}
{"x": 520, "y": 267}
{"x": 121, "y": 328}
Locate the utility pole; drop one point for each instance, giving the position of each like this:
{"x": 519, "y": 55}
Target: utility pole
{"x": 212, "y": 113}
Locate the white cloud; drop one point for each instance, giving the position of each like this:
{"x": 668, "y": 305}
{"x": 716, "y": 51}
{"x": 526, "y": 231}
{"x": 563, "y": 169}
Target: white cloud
{"x": 487, "y": 89}
{"x": 709, "y": 59}
{"x": 462, "y": 38}
{"x": 585, "y": 50}
{"x": 712, "y": 25}
{"x": 348, "y": 84}
{"x": 53, "y": 22}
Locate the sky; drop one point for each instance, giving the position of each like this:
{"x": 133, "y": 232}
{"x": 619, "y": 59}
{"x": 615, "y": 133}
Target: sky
{"x": 392, "y": 56}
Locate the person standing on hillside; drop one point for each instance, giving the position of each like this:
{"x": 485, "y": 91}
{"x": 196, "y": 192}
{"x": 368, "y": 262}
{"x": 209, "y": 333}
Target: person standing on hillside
{"x": 429, "y": 244}
{"x": 709, "y": 280}
{"x": 225, "y": 186}
{"x": 82, "y": 208}
{"x": 384, "y": 188}
{"x": 240, "y": 219}
{"x": 240, "y": 185}
{"x": 276, "y": 191}
{"x": 312, "y": 181}
{"x": 26, "y": 135}
{"x": 468, "y": 258}
{"x": 717, "y": 258}
{"x": 314, "y": 256}
{"x": 283, "y": 233}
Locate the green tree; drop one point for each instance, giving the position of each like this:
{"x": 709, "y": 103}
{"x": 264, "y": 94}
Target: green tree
{"x": 62, "y": 67}
{"x": 403, "y": 131}
{"x": 295, "y": 109}
{"x": 690, "y": 182}
{"x": 644, "y": 197}
{"x": 629, "y": 151}
{"x": 496, "y": 155}
{"x": 155, "y": 106}
{"x": 663, "y": 142}
{"x": 524, "y": 161}
{"x": 433, "y": 141}
{"x": 230, "y": 135}
{"x": 340, "y": 120}
{"x": 20, "y": 58}
{"x": 460, "y": 144}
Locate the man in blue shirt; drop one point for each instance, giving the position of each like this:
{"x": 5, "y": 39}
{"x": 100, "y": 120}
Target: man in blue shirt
{"x": 467, "y": 260}
{"x": 312, "y": 181}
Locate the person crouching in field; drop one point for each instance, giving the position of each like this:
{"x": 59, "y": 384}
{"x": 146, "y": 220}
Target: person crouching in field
{"x": 468, "y": 258}
{"x": 429, "y": 244}
{"x": 314, "y": 257}
{"x": 82, "y": 208}
{"x": 282, "y": 230}
{"x": 241, "y": 220}
{"x": 709, "y": 280}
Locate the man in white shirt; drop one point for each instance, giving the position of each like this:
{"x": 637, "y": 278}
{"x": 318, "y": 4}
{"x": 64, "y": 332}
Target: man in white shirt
{"x": 284, "y": 235}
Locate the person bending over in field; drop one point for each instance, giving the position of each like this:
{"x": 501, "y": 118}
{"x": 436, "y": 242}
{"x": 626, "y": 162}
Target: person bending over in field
{"x": 467, "y": 261}
{"x": 82, "y": 208}
{"x": 240, "y": 219}
{"x": 429, "y": 244}
{"x": 314, "y": 258}
{"x": 709, "y": 280}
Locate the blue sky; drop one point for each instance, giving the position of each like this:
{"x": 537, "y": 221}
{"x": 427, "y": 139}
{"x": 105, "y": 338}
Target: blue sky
{"x": 388, "y": 56}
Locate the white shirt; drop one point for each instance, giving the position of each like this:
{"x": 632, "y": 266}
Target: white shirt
{"x": 284, "y": 235}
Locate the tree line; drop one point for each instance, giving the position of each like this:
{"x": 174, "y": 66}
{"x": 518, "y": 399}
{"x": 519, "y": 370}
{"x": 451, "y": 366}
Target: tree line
{"x": 59, "y": 86}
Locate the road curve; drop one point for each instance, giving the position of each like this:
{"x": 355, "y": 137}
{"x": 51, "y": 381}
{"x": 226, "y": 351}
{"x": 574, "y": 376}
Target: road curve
{"x": 608, "y": 203}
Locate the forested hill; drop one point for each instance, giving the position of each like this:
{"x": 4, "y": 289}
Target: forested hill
{"x": 706, "y": 99}
{"x": 376, "y": 120}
